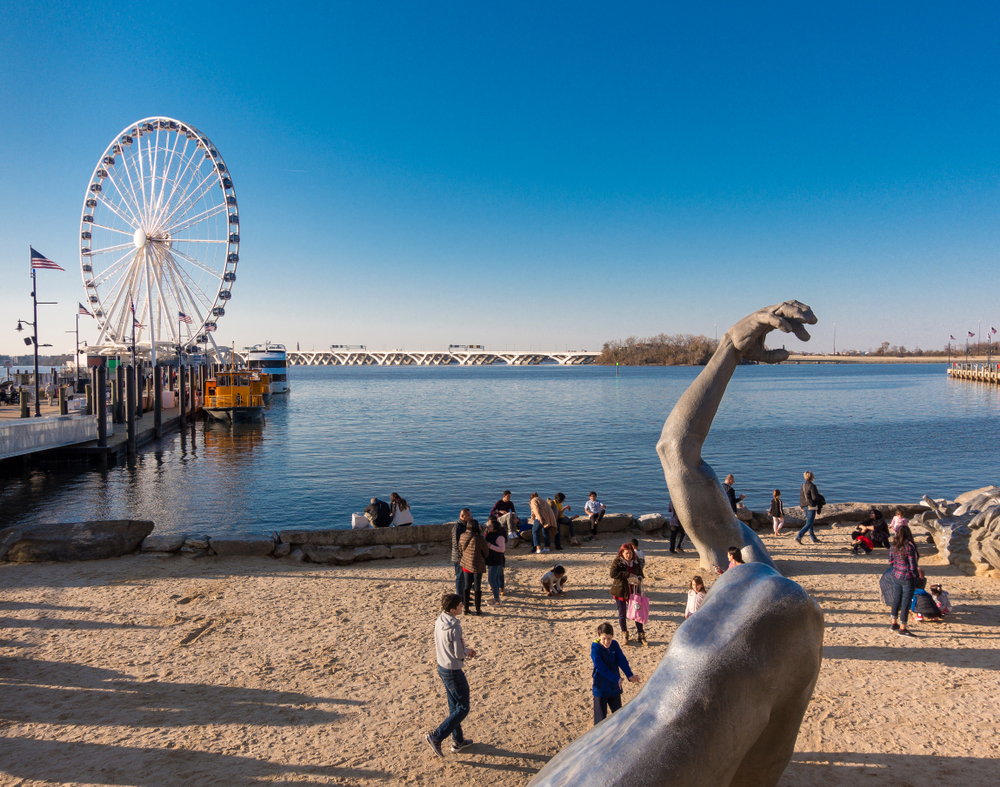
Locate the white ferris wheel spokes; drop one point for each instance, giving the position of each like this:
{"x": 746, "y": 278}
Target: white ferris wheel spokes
{"x": 159, "y": 237}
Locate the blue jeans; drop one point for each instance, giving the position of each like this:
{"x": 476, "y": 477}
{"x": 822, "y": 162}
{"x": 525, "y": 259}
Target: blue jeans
{"x": 538, "y": 532}
{"x": 902, "y": 597}
{"x": 457, "y": 688}
{"x": 494, "y": 575}
{"x": 810, "y": 522}
{"x": 459, "y": 580}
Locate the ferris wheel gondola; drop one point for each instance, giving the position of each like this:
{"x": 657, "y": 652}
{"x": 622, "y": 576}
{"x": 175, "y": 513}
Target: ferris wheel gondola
{"x": 159, "y": 238}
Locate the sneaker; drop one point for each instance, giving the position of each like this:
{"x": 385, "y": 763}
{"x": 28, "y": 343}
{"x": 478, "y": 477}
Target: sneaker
{"x": 894, "y": 627}
{"x": 538, "y": 550}
{"x": 815, "y": 540}
{"x": 457, "y": 747}
{"x": 546, "y": 549}
{"x": 906, "y": 633}
{"x": 436, "y": 745}
{"x": 798, "y": 540}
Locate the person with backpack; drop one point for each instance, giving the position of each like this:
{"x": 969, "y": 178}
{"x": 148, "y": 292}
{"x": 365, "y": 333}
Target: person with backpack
{"x": 812, "y": 502}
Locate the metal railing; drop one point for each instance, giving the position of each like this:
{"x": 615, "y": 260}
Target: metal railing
{"x": 235, "y": 400}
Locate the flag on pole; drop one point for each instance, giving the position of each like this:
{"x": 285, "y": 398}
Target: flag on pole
{"x": 972, "y": 335}
{"x": 952, "y": 338}
{"x": 83, "y": 310}
{"x": 992, "y": 329}
{"x": 184, "y": 318}
{"x": 41, "y": 262}
{"x": 136, "y": 323}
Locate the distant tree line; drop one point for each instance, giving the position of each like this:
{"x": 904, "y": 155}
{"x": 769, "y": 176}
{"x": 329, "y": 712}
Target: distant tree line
{"x": 684, "y": 349}
{"x": 681, "y": 349}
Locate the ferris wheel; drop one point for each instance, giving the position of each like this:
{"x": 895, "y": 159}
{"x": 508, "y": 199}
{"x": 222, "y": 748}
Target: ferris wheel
{"x": 159, "y": 238}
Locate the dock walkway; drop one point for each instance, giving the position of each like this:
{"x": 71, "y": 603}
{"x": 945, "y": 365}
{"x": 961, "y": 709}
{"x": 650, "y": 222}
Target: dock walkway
{"x": 977, "y": 372}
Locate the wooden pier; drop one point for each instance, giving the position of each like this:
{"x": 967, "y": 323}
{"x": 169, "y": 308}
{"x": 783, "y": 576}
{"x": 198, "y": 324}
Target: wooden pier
{"x": 976, "y": 372}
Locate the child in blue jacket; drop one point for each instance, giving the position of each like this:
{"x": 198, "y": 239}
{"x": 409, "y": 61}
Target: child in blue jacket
{"x": 608, "y": 659}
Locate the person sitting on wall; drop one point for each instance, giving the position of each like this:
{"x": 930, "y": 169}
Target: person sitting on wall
{"x": 378, "y": 513}
{"x": 503, "y": 511}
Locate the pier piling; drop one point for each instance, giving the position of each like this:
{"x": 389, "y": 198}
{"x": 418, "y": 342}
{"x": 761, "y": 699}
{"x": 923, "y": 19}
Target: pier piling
{"x": 130, "y": 408}
{"x": 157, "y": 402}
{"x": 180, "y": 392}
{"x": 63, "y": 406}
{"x": 102, "y": 406}
{"x": 24, "y": 404}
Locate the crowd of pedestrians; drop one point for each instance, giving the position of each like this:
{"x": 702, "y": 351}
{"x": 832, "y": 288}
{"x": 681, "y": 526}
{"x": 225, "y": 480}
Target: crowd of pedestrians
{"x": 477, "y": 551}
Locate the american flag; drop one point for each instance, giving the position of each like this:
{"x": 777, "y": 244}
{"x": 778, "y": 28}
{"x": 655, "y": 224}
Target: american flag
{"x": 41, "y": 262}
{"x": 184, "y": 318}
{"x": 83, "y": 309}
{"x": 972, "y": 335}
{"x": 992, "y": 329}
{"x": 136, "y": 323}
{"x": 952, "y": 338}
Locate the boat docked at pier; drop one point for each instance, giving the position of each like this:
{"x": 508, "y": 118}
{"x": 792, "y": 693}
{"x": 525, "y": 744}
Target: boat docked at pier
{"x": 235, "y": 396}
{"x": 272, "y": 359}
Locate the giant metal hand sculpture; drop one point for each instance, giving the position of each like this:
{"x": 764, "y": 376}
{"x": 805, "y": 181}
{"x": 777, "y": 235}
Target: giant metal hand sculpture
{"x": 695, "y": 491}
{"x": 723, "y": 707}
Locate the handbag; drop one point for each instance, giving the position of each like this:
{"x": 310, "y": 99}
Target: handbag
{"x": 638, "y": 607}
{"x": 886, "y": 587}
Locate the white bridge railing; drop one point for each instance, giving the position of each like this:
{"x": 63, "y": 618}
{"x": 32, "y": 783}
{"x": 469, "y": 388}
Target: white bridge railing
{"x": 439, "y": 358}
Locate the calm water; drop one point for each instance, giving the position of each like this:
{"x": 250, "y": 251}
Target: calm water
{"x": 448, "y": 437}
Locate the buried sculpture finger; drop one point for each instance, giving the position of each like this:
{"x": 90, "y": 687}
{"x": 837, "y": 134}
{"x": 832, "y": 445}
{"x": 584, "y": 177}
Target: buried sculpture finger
{"x": 724, "y": 705}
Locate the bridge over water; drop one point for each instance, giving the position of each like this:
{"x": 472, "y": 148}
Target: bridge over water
{"x": 460, "y": 357}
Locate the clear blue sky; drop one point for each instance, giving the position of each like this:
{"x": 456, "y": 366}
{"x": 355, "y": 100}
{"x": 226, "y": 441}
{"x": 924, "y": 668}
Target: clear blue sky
{"x": 420, "y": 174}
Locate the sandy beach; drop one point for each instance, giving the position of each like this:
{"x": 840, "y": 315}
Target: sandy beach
{"x": 152, "y": 672}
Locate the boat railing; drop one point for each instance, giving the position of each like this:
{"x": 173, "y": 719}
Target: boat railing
{"x": 235, "y": 400}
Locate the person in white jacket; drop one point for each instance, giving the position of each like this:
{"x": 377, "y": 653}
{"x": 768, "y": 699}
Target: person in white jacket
{"x": 449, "y": 646}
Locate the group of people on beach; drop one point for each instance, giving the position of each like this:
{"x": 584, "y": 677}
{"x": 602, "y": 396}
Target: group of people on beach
{"x": 470, "y": 551}
{"x": 477, "y": 551}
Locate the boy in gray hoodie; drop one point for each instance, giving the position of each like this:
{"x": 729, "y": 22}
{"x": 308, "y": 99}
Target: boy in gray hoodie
{"x": 451, "y": 654}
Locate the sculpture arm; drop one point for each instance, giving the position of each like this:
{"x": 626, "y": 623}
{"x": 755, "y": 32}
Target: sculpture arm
{"x": 695, "y": 491}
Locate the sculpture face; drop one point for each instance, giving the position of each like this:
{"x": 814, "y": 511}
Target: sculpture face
{"x": 725, "y": 704}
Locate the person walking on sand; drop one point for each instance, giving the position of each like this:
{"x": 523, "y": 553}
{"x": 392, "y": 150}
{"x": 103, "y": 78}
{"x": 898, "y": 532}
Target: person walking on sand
{"x": 608, "y": 659}
{"x": 730, "y": 494}
{"x": 903, "y": 557}
{"x": 451, "y": 652}
{"x": 496, "y": 560}
{"x": 595, "y": 510}
{"x": 626, "y": 574}
{"x": 464, "y": 518}
{"x": 777, "y": 512}
{"x": 676, "y": 529}
{"x": 811, "y": 501}
{"x": 475, "y": 550}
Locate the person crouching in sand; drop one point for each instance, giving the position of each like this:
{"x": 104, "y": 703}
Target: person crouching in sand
{"x": 449, "y": 646}
{"x": 553, "y": 581}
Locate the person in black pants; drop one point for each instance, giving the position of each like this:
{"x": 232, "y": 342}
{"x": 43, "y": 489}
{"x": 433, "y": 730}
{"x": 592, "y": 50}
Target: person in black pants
{"x": 676, "y": 529}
